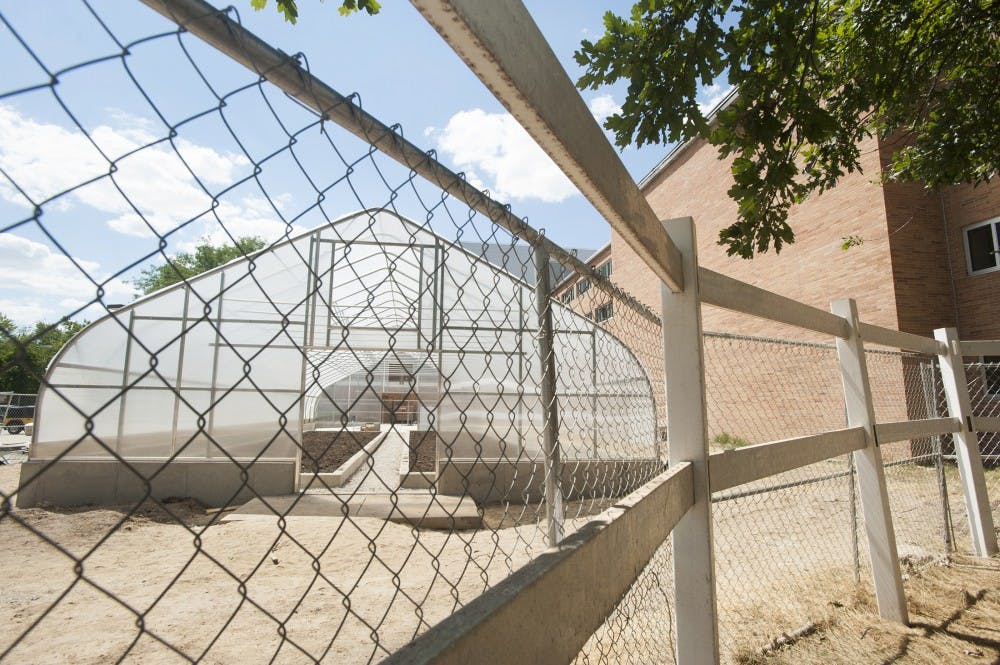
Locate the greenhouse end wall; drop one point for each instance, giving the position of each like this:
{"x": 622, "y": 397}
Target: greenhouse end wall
{"x": 204, "y": 389}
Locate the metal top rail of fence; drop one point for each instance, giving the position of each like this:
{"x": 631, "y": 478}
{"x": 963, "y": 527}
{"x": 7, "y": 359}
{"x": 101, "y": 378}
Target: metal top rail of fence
{"x": 381, "y": 421}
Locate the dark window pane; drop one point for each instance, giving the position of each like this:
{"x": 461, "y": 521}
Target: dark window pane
{"x": 603, "y": 313}
{"x": 982, "y": 253}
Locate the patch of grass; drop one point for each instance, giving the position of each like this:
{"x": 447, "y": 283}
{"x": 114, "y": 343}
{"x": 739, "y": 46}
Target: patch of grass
{"x": 727, "y": 440}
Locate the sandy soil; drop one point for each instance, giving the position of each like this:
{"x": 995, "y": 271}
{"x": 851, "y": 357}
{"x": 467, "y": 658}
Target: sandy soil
{"x": 347, "y": 591}
{"x": 234, "y": 592}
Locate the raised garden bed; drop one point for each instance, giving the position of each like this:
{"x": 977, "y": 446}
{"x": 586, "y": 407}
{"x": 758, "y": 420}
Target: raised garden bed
{"x": 423, "y": 445}
{"x": 331, "y": 449}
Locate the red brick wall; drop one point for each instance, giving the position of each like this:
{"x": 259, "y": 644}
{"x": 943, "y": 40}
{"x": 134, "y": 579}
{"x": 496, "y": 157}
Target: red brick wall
{"x": 761, "y": 391}
{"x": 978, "y": 296}
{"x": 814, "y": 270}
{"x": 901, "y": 277}
{"x": 919, "y": 252}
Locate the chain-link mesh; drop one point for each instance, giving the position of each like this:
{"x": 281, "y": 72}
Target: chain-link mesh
{"x": 983, "y": 377}
{"x": 325, "y": 446}
{"x": 789, "y": 546}
{"x": 783, "y": 544}
{"x": 907, "y": 386}
{"x": 17, "y": 415}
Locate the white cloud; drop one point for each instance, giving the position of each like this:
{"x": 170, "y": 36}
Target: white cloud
{"x": 23, "y": 313}
{"x": 157, "y": 190}
{"x": 711, "y": 95}
{"x": 47, "y": 283}
{"x": 496, "y": 152}
{"x": 603, "y": 106}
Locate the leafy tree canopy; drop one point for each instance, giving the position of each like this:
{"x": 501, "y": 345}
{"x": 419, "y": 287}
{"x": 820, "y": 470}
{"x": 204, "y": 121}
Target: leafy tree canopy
{"x": 205, "y": 257}
{"x": 813, "y": 79}
{"x": 26, "y": 352}
{"x": 290, "y": 10}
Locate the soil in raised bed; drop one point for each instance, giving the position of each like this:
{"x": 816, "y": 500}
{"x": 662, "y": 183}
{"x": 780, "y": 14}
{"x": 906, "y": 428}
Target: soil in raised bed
{"x": 422, "y": 450}
{"x": 324, "y": 452}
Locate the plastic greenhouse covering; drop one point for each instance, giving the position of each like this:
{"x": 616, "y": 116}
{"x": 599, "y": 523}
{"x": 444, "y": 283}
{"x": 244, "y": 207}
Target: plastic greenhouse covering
{"x": 317, "y": 331}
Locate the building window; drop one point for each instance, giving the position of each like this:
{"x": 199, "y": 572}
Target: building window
{"x": 567, "y": 296}
{"x": 604, "y": 270}
{"x": 582, "y": 286}
{"x": 603, "y": 313}
{"x": 982, "y": 246}
{"x": 991, "y": 375}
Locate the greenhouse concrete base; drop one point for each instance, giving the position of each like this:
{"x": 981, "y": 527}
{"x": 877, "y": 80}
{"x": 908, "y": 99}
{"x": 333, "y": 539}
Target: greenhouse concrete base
{"x": 80, "y": 482}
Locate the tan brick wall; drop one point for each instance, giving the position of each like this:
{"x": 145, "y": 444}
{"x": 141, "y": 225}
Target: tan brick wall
{"x": 919, "y": 252}
{"x": 978, "y": 296}
{"x": 901, "y": 277}
{"x": 814, "y": 270}
{"x": 760, "y": 391}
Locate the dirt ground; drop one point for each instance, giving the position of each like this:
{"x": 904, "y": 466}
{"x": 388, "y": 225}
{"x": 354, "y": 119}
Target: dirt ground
{"x": 954, "y": 618}
{"x": 354, "y": 590}
{"x": 331, "y": 449}
{"x": 232, "y": 592}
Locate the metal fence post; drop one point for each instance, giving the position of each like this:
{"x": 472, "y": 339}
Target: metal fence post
{"x": 970, "y": 463}
{"x": 554, "y": 511}
{"x": 930, "y": 400}
{"x": 697, "y": 630}
{"x": 853, "y": 510}
{"x": 871, "y": 474}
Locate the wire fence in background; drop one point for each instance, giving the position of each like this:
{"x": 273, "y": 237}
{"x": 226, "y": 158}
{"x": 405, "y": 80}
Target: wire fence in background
{"x": 791, "y": 545}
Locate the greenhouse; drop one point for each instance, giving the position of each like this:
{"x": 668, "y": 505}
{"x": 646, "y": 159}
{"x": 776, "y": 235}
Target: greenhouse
{"x": 373, "y": 320}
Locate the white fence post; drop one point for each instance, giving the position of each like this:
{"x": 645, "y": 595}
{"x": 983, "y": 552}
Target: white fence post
{"x": 871, "y": 475}
{"x": 687, "y": 441}
{"x": 970, "y": 463}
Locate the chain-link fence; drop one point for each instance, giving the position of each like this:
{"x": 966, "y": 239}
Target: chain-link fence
{"x": 328, "y": 444}
{"x": 792, "y": 545}
{"x": 983, "y": 377}
{"x": 17, "y": 415}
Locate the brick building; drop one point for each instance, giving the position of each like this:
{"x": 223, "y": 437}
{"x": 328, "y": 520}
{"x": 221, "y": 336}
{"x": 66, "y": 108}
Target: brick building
{"x": 928, "y": 260}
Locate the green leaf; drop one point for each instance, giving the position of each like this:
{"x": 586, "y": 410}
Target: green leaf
{"x": 814, "y": 80}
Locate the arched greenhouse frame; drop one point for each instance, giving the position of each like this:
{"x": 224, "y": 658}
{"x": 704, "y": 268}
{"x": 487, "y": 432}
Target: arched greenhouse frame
{"x": 205, "y": 389}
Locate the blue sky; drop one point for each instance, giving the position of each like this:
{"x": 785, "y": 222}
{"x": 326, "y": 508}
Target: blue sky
{"x": 97, "y": 229}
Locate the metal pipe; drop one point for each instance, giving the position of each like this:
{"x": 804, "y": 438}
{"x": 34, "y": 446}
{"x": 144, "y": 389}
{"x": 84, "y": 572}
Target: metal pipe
{"x": 853, "y": 509}
{"x": 214, "y": 27}
{"x": 930, "y": 399}
{"x": 554, "y": 511}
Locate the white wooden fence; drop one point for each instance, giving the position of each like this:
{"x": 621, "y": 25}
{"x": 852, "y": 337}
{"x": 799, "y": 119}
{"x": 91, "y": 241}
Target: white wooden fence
{"x": 553, "y": 605}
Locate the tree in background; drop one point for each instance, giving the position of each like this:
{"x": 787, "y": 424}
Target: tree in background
{"x": 186, "y": 265}
{"x": 813, "y": 79}
{"x": 290, "y": 10}
{"x": 26, "y": 352}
